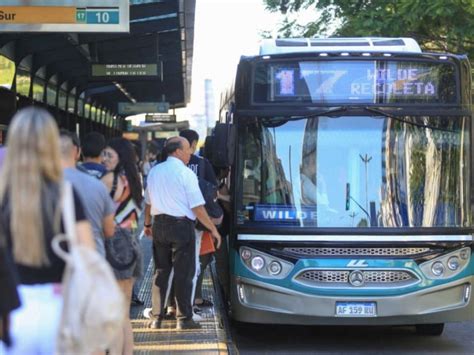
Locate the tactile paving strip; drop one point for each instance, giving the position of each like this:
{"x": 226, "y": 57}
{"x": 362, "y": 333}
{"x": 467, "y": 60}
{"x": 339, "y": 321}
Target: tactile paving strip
{"x": 211, "y": 339}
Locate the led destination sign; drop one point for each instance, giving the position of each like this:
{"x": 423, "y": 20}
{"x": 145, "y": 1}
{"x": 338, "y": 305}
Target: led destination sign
{"x": 64, "y": 15}
{"x": 268, "y": 213}
{"x": 354, "y": 81}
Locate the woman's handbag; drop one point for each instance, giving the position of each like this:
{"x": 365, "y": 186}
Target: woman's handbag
{"x": 120, "y": 250}
{"x": 93, "y": 304}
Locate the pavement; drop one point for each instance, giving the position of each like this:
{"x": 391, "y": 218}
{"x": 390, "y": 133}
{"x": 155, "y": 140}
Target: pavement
{"x": 213, "y": 338}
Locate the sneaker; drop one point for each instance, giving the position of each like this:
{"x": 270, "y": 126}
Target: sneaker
{"x": 184, "y": 324}
{"x": 196, "y": 309}
{"x": 197, "y": 317}
{"x": 147, "y": 313}
{"x": 170, "y": 312}
{"x": 154, "y": 324}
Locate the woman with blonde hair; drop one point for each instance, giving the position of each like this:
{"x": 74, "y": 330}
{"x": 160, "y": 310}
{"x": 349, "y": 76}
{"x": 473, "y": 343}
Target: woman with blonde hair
{"x": 30, "y": 216}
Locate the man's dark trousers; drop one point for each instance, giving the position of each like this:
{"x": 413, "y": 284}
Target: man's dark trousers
{"x": 174, "y": 247}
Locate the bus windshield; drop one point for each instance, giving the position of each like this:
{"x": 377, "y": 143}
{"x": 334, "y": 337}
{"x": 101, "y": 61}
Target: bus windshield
{"x": 354, "y": 171}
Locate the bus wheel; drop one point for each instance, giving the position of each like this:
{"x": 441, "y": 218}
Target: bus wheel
{"x": 430, "y": 329}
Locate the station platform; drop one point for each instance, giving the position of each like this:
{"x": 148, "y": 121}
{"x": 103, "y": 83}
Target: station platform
{"x": 213, "y": 338}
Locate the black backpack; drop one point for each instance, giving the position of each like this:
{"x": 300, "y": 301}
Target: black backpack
{"x": 209, "y": 192}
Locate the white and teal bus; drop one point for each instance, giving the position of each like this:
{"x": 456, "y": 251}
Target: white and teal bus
{"x": 351, "y": 184}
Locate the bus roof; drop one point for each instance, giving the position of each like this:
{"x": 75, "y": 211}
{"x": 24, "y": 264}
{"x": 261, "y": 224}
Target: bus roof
{"x": 359, "y": 44}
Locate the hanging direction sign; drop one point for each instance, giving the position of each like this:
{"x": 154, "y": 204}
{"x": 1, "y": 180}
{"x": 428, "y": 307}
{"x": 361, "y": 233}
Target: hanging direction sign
{"x": 124, "y": 70}
{"x": 128, "y": 108}
{"x": 156, "y": 118}
{"x": 64, "y": 16}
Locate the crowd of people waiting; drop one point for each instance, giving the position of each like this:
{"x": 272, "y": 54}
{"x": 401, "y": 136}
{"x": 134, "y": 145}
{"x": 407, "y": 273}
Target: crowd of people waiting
{"x": 108, "y": 200}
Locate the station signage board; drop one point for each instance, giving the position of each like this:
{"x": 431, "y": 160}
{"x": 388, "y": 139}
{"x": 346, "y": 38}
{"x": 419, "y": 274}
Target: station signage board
{"x": 157, "y": 118}
{"x": 64, "y": 16}
{"x": 124, "y": 70}
{"x": 129, "y": 108}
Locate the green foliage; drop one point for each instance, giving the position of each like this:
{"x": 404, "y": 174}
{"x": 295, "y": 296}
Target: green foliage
{"x": 438, "y": 25}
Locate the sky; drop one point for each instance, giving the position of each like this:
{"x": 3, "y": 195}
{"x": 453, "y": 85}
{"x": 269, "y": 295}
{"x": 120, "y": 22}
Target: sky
{"x": 224, "y": 30}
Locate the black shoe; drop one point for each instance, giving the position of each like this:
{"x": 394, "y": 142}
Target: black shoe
{"x": 184, "y": 324}
{"x": 154, "y": 324}
{"x": 204, "y": 304}
{"x": 170, "y": 316}
{"x": 137, "y": 302}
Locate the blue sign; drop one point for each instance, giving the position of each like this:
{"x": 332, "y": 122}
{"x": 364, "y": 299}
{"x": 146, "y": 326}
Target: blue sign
{"x": 102, "y": 16}
{"x": 266, "y": 213}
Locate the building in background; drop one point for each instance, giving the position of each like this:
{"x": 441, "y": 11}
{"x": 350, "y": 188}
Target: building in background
{"x": 209, "y": 104}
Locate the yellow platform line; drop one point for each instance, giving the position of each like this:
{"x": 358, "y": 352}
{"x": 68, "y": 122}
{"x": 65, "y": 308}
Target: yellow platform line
{"x": 221, "y": 347}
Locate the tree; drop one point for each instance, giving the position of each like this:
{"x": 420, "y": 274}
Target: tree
{"x": 437, "y": 25}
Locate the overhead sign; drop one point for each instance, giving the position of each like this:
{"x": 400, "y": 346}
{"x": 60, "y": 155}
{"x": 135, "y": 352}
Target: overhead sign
{"x": 345, "y": 81}
{"x": 124, "y": 70}
{"x": 64, "y": 16}
{"x": 160, "y": 118}
{"x": 128, "y": 108}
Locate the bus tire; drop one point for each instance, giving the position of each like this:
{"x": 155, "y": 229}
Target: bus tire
{"x": 435, "y": 329}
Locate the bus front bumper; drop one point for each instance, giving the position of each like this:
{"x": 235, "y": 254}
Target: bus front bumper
{"x": 259, "y": 302}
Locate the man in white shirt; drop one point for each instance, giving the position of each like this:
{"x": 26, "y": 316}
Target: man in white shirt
{"x": 174, "y": 200}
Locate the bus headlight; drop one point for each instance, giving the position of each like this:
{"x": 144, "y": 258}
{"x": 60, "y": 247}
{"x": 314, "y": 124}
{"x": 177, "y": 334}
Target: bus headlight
{"x": 245, "y": 254}
{"x": 464, "y": 253}
{"x": 274, "y": 268}
{"x": 257, "y": 263}
{"x": 437, "y": 268}
{"x": 453, "y": 263}
{"x": 263, "y": 264}
{"x": 447, "y": 265}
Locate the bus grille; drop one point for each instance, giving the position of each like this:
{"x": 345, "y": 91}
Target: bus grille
{"x": 372, "y": 278}
{"x": 356, "y": 251}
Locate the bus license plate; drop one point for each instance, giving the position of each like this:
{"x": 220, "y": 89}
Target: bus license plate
{"x": 356, "y": 309}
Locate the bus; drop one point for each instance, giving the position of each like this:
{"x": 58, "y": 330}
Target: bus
{"x": 350, "y": 184}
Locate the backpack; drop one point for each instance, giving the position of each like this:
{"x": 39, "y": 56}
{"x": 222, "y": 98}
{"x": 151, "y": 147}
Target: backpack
{"x": 209, "y": 192}
{"x": 93, "y": 304}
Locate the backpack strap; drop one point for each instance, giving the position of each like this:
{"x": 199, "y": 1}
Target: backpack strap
{"x": 68, "y": 211}
{"x": 114, "y": 185}
{"x": 200, "y": 168}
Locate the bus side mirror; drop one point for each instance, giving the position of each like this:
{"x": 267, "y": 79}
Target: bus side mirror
{"x": 223, "y": 145}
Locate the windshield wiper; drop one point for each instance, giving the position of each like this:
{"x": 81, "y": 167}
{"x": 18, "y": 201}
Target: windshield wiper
{"x": 277, "y": 120}
{"x": 395, "y": 117}
{"x": 330, "y": 111}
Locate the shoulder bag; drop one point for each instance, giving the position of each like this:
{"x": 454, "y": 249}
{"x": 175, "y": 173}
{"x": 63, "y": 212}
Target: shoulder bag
{"x": 120, "y": 250}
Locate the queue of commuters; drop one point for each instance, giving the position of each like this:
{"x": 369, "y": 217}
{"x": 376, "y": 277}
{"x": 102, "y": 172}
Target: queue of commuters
{"x": 30, "y": 189}
{"x": 108, "y": 197}
{"x": 173, "y": 202}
